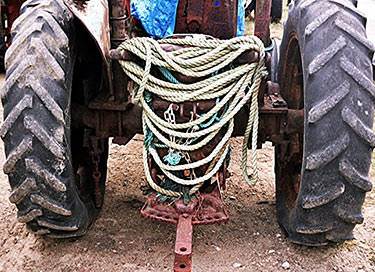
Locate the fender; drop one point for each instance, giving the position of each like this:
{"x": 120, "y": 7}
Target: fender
{"x": 94, "y": 15}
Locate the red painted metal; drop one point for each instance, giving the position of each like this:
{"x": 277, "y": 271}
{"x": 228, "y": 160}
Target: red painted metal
{"x": 13, "y": 11}
{"x": 263, "y": 20}
{"x": 127, "y": 6}
{"x": 184, "y": 243}
{"x": 205, "y": 208}
{"x": 217, "y": 18}
{"x": 94, "y": 15}
{"x": 9, "y": 13}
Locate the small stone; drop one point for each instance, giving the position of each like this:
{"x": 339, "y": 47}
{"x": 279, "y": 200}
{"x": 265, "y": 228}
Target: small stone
{"x": 271, "y": 251}
{"x": 285, "y": 265}
{"x": 232, "y": 198}
{"x": 236, "y": 265}
{"x": 278, "y": 235}
{"x": 216, "y": 248}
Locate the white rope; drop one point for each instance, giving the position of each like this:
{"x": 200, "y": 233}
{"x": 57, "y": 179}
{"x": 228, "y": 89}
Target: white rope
{"x": 206, "y": 59}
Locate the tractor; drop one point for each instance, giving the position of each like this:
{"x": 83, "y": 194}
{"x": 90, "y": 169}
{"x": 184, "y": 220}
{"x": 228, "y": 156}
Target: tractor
{"x": 79, "y": 72}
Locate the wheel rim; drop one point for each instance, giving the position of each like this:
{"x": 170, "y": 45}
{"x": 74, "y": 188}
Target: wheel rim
{"x": 290, "y": 153}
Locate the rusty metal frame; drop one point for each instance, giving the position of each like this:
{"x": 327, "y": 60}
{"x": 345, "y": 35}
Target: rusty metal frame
{"x": 94, "y": 15}
{"x": 263, "y": 20}
{"x": 184, "y": 244}
{"x": 216, "y": 18}
{"x": 11, "y": 11}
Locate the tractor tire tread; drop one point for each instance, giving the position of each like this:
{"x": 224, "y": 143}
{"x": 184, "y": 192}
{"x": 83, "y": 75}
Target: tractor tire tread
{"x": 334, "y": 183}
{"x": 36, "y": 125}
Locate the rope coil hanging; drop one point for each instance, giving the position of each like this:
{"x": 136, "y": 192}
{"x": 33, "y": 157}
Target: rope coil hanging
{"x": 200, "y": 57}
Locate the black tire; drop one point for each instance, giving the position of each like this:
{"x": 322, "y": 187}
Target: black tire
{"x": 322, "y": 174}
{"x": 36, "y": 130}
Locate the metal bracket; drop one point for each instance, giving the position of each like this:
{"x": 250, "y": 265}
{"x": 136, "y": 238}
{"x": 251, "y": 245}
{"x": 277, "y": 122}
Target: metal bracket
{"x": 183, "y": 245}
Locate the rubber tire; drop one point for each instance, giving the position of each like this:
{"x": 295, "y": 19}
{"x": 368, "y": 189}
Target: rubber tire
{"x": 338, "y": 110}
{"x": 36, "y": 129}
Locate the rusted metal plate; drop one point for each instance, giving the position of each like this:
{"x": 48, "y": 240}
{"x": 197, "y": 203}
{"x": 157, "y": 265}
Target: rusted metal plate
{"x": 205, "y": 209}
{"x": 183, "y": 245}
{"x": 216, "y": 18}
{"x": 94, "y": 15}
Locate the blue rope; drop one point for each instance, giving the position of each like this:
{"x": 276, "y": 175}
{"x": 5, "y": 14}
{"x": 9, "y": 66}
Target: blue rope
{"x": 172, "y": 158}
{"x": 168, "y": 75}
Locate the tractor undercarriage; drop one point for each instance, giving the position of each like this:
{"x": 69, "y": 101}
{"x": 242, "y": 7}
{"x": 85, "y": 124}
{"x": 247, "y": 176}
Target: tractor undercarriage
{"x": 114, "y": 114}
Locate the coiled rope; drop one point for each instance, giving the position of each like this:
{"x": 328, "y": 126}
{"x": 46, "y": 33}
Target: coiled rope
{"x": 195, "y": 56}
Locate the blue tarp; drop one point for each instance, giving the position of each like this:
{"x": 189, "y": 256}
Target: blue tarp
{"x": 158, "y": 17}
{"x": 241, "y": 18}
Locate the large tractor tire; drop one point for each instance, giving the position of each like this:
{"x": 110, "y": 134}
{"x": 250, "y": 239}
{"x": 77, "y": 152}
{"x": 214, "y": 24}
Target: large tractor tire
{"x": 50, "y": 179}
{"x": 322, "y": 171}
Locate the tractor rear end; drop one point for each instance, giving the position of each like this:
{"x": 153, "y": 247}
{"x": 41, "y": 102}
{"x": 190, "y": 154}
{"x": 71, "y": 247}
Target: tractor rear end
{"x": 312, "y": 97}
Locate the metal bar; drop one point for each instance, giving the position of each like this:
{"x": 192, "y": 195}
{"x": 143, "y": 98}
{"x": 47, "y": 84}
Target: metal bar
{"x": 263, "y": 20}
{"x": 183, "y": 246}
{"x": 214, "y": 18}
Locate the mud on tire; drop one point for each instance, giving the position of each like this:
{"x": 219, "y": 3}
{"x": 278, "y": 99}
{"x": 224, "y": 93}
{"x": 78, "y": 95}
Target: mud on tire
{"x": 322, "y": 202}
{"x": 36, "y": 127}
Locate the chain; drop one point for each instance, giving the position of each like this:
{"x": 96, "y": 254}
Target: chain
{"x": 96, "y": 174}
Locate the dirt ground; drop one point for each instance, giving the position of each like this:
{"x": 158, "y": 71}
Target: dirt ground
{"x": 121, "y": 240}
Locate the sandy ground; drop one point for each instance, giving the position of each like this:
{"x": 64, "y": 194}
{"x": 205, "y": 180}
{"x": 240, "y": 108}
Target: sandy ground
{"x": 121, "y": 240}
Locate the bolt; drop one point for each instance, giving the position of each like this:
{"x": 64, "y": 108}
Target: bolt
{"x": 187, "y": 173}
